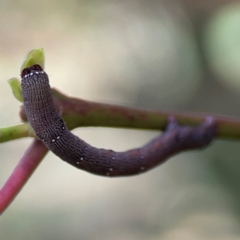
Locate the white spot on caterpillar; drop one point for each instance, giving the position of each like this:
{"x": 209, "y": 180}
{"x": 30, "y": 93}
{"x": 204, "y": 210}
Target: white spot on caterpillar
{"x": 113, "y": 158}
{"x": 36, "y": 72}
{"x": 53, "y": 140}
{"x": 31, "y": 74}
{"x": 77, "y": 162}
{"x": 81, "y": 158}
{"x": 110, "y": 169}
{"x": 58, "y": 137}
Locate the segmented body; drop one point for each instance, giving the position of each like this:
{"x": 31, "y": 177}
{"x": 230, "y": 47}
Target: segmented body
{"x": 51, "y": 129}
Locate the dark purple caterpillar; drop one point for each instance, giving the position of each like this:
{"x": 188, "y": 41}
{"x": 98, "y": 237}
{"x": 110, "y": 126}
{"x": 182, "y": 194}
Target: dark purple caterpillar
{"x": 51, "y": 129}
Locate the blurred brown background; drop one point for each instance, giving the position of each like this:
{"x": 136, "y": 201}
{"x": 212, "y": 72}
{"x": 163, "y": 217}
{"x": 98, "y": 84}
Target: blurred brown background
{"x": 182, "y": 55}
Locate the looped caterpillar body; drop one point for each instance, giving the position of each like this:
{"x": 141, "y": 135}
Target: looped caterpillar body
{"x": 51, "y": 129}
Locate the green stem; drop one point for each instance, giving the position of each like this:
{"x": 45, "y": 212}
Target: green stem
{"x": 15, "y": 132}
{"x": 81, "y": 113}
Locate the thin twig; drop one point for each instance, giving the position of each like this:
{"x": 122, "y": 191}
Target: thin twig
{"x": 28, "y": 163}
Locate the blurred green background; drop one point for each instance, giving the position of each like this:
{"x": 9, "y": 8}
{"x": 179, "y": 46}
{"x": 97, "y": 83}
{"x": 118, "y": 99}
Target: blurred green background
{"x": 172, "y": 55}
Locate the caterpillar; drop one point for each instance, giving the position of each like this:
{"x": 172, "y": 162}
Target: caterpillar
{"x": 50, "y": 128}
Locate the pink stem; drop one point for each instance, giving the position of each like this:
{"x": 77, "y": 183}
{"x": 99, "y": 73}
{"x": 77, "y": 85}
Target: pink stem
{"x": 28, "y": 163}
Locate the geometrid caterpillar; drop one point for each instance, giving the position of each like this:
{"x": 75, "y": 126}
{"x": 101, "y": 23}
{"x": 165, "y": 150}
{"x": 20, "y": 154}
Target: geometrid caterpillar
{"x": 51, "y": 129}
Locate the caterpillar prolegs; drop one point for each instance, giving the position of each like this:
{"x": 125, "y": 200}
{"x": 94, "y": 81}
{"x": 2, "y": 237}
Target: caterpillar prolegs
{"x": 51, "y": 129}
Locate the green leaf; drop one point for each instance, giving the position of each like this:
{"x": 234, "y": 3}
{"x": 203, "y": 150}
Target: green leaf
{"x": 15, "y": 85}
{"x": 35, "y": 56}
